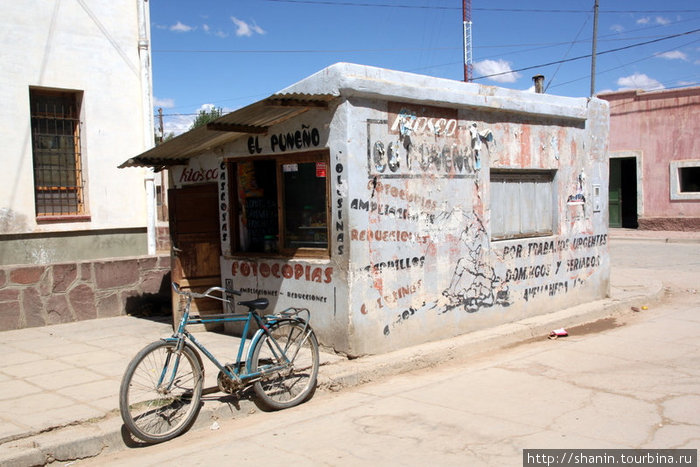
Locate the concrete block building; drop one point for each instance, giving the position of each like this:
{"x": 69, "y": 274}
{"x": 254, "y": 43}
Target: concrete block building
{"x": 397, "y": 208}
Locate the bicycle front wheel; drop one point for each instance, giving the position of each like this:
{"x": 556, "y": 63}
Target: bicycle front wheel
{"x": 160, "y": 392}
{"x": 288, "y": 376}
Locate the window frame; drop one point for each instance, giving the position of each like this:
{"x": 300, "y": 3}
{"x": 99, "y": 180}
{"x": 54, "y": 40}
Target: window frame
{"x": 524, "y": 175}
{"x": 322, "y": 156}
{"x": 74, "y": 185}
{"x": 675, "y": 168}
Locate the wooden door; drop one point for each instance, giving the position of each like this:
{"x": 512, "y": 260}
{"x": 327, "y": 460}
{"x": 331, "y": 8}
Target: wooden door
{"x": 196, "y": 248}
{"x": 615, "y": 194}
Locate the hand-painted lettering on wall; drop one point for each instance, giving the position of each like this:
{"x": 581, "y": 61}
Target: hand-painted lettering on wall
{"x": 305, "y": 138}
{"x": 546, "y": 247}
{"x": 192, "y": 175}
{"x": 417, "y": 141}
{"x": 282, "y": 271}
{"x": 223, "y": 207}
{"x": 339, "y": 222}
{"x": 389, "y": 159}
{"x": 396, "y": 264}
{"x": 576, "y": 264}
{"x": 393, "y": 191}
{"x": 307, "y": 297}
{"x": 387, "y": 236}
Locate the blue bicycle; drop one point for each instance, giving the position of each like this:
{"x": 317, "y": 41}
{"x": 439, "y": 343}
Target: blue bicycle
{"x": 160, "y": 393}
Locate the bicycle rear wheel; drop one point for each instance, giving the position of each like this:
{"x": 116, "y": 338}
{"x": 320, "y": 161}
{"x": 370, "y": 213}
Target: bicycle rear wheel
{"x": 155, "y": 404}
{"x": 294, "y": 383}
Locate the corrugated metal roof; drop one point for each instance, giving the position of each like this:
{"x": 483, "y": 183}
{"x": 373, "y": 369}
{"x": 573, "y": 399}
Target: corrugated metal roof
{"x": 253, "y": 119}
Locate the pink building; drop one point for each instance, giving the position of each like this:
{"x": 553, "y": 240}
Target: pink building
{"x": 655, "y": 159}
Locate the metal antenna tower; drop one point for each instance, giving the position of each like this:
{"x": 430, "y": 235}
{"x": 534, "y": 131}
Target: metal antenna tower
{"x": 467, "y": 25}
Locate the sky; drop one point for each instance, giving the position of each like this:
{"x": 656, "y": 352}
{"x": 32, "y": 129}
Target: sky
{"x": 231, "y": 53}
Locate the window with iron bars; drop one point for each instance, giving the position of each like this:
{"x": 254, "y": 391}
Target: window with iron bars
{"x": 58, "y": 177}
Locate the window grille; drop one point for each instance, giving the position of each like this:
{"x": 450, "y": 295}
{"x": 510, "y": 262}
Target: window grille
{"x": 58, "y": 178}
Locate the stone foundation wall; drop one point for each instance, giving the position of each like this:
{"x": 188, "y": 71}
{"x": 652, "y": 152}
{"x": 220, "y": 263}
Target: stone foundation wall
{"x": 683, "y": 224}
{"x": 40, "y": 295}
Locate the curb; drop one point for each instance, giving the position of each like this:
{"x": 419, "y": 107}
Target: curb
{"x": 89, "y": 439}
{"x": 465, "y": 347}
{"x": 661, "y": 239}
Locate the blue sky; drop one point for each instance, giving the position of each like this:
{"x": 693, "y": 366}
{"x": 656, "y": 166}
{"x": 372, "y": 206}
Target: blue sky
{"x": 230, "y": 53}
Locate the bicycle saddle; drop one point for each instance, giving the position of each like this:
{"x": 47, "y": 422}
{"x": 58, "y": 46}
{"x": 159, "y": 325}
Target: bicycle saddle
{"x": 256, "y": 304}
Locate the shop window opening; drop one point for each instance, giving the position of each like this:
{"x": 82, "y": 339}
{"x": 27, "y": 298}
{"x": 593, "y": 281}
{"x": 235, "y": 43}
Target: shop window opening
{"x": 282, "y": 205}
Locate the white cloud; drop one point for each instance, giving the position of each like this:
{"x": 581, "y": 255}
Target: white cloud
{"x": 639, "y": 81}
{"x": 658, "y": 20}
{"x": 618, "y": 28}
{"x": 673, "y": 55}
{"x": 218, "y": 33}
{"x": 246, "y": 29}
{"x": 167, "y": 103}
{"x": 687, "y": 83}
{"x": 180, "y": 27}
{"x": 205, "y": 107}
{"x": 177, "y": 124}
{"x": 500, "y": 68}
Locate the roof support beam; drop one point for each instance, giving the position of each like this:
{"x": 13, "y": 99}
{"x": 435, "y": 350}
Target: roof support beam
{"x": 288, "y": 102}
{"x": 235, "y": 128}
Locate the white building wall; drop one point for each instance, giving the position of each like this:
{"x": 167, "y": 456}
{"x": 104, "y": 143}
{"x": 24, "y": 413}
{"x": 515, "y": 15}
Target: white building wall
{"x": 416, "y": 251}
{"x": 79, "y": 46}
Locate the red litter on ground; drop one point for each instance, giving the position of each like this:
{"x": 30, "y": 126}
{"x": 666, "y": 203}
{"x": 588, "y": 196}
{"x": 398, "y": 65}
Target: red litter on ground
{"x": 561, "y": 332}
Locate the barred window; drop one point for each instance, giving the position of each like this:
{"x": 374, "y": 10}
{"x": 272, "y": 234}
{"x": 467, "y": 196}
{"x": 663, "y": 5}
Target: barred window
{"x": 58, "y": 178}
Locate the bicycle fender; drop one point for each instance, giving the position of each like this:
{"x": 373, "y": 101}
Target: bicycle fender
{"x": 258, "y": 335}
{"x": 253, "y": 343}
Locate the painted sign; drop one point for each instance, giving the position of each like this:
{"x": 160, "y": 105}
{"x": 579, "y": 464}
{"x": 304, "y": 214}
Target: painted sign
{"x": 199, "y": 170}
{"x": 419, "y": 141}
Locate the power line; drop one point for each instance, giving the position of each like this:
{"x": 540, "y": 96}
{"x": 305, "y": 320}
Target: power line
{"x": 298, "y": 51}
{"x": 580, "y": 57}
{"x": 435, "y": 7}
{"x": 608, "y": 70}
{"x": 536, "y": 46}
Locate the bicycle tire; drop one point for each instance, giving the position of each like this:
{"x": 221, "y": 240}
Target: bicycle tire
{"x": 154, "y": 415}
{"x": 294, "y": 385}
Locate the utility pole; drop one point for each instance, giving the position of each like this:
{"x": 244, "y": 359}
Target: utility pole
{"x": 467, "y": 30}
{"x": 595, "y": 45}
{"x": 160, "y": 122}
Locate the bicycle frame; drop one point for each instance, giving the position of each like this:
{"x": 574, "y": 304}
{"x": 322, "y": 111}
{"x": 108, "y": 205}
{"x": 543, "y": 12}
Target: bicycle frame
{"x": 234, "y": 373}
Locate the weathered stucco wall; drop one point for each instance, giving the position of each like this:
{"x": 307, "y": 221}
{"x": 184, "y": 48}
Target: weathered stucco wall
{"x": 422, "y": 262}
{"x": 413, "y": 255}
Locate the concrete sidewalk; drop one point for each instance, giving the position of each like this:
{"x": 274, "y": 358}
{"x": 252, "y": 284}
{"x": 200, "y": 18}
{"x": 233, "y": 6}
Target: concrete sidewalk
{"x": 59, "y": 384}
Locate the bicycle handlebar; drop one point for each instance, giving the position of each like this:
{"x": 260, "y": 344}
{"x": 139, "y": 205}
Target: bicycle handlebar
{"x": 207, "y": 293}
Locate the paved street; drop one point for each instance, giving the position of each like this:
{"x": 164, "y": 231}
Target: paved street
{"x": 631, "y": 382}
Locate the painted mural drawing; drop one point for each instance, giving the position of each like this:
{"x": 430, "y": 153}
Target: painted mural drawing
{"x": 474, "y": 282}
